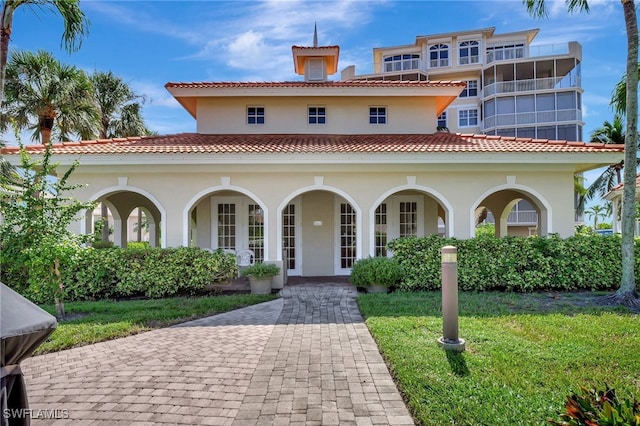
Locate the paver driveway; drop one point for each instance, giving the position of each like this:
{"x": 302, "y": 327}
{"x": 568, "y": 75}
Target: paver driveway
{"x": 306, "y": 358}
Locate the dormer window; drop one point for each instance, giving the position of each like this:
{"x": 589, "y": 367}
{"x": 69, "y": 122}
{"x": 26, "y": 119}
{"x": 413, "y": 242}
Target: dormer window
{"x": 439, "y": 55}
{"x": 468, "y": 52}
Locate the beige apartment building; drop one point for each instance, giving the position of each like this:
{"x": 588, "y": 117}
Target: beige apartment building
{"x": 314, "y": 174}
{"x": 514, "y": 88}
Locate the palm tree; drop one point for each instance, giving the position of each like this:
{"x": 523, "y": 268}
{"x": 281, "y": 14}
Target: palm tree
{"x": 120, "y": 116}
{"x": 48, "y": 97}
{"x": 626, "y": 294}
{"x": 76, "y": 25}
{"x": 120, "y": 108}
{"x": 609, "y": 133}
{"x": 597, "y": 212}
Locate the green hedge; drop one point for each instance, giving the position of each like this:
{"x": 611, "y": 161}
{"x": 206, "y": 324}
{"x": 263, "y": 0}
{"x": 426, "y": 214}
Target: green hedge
{"x": 514, "y": 263}
{"x": 93, "y": 274}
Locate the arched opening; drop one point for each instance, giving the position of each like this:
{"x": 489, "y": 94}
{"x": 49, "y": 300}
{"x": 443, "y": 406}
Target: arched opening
{"x": 511, "y": 212}
{"x": 229, "y": 220}
{"x": 406, "y": 213}
{"x": 119, "y": 214}
{"x": 319, "y": 233}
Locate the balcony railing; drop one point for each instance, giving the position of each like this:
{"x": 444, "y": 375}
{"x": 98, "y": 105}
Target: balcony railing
{"x": 520, "y": 217}
{"x": 539, "y": 117}
{"x": 549, "y": 50}
{"x": 566, "y": 82}
{"x": 519, "y": 52}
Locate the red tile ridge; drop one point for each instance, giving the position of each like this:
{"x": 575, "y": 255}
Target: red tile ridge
{"x": 315, "y": 47}
{"x": 575, "y": 143}
{"x": 557, "y": 142}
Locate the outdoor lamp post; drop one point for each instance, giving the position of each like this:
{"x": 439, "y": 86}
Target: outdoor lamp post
{"x": 450, "y": 340}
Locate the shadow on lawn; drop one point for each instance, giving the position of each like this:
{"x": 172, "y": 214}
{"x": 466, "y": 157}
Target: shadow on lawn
{"x": 457, "y": 363}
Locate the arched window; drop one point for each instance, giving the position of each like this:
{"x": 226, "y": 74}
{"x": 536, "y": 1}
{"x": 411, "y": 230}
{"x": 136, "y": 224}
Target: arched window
{"x": 439, "y": 55}
{"x": 468, "y": 52}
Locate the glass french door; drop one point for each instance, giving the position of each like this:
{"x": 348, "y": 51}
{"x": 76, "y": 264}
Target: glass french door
{"x": 238, "y": 223}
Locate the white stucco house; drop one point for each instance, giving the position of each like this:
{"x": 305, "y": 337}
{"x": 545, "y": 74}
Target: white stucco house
{"x": 314, "y": 174}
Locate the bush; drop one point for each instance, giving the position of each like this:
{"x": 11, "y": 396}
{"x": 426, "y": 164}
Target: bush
{"x": 91, "y": 274}
{"x": 593, "y": 407}
{"x": 383, "y": 271}
{"x": 261, "y": 270}
{"x": 582, "y": 262}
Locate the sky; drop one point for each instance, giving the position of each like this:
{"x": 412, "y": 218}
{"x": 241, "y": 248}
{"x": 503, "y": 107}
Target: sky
{"x": 150, "y": 43}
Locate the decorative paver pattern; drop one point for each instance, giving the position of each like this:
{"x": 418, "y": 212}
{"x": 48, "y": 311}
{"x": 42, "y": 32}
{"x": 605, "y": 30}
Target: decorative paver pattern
{"x": 306, "y": 358}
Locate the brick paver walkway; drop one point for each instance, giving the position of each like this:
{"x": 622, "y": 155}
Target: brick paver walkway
{"x": 306, "y": 358}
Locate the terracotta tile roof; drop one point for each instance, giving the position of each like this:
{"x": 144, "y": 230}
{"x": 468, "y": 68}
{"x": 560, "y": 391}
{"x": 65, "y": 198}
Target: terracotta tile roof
{"x": 441, "y": 142}
{"x": 341, "y": 83}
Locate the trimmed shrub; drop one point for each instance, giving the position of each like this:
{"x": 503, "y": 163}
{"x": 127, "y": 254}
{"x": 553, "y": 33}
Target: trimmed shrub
{"x": 523, "y": 264}
{"x": 91, "y": 274}
{"x": 382, "y": 271}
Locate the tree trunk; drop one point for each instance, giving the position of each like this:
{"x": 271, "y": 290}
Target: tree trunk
{"x": 105, "y": 222}
{"x": 139, "y": 224}
{"x": 5, "y": 37}
{"x": 627, "y": 288}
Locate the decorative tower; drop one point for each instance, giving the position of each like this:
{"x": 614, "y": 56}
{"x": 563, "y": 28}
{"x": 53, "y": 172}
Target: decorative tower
{"x": 316, "y": 63}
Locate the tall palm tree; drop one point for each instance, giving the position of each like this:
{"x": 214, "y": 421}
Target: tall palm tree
{"x": 76, "y": 25}
{"x": 120, "y": 116}
{"x": 626, "y": 294}
{"x": 48, "y": 97}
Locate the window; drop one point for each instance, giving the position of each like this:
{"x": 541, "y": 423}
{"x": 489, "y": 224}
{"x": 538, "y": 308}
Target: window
{"x": 377, "y": 115}
{"x": 408, "y": 61}
{"x": 467, "y": 117}
{"x": 255, "y": 115}
{"x": 317, "y": 115}
{"x": 468, "y": 52}
{"x": 442, "y": 121}
{"x": 381, "y": 230}
{"x": 506, "y": 51}
{"x": 471, "y": 91}
{"x": 439, "y": 55}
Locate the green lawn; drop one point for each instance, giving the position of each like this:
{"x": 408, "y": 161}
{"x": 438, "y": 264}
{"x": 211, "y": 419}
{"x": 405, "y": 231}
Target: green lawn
{"x": 91, "y": 322}
{"x": 524, "y": 354}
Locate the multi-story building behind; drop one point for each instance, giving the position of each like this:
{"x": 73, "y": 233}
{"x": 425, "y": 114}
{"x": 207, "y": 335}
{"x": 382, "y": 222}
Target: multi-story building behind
{"x": 514, "y": 88}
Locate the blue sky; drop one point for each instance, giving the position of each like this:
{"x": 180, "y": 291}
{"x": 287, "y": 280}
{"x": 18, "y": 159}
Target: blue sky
{"x": 150, "y": 43}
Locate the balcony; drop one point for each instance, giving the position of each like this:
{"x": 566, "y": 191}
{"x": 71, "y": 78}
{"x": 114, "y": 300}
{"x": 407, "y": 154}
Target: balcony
{"x": 517, "y": 51}
{"x": 571, "y": 80}
{"x": 532, "y": 118}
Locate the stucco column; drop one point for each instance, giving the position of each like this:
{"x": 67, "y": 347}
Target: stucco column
{"x": 430, "y": 216}
{"x": 203, "y": 224}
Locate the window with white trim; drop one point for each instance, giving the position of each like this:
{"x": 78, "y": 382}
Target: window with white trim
{"x": 442, "y": 121}
{"x": 317, "y": 115}
{"x": 439, "y": 55}
{"x": 471, "y": 91}
{"x": 255, "y": 115}
{"x": 407, "y": 61}
{"x": 377, "y": 115}
{"x": 499, "y": 52}
{"x": 468, "y": 52}
{"x": 467, "y": 117}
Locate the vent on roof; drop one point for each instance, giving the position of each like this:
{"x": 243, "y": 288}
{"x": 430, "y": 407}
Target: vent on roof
{"x": 315, "y": 69}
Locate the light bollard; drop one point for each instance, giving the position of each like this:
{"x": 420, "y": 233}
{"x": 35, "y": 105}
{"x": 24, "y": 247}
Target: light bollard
{"x": 450, "y": 340}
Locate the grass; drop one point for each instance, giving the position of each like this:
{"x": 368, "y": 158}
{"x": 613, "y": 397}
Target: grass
{"x": 91, "y": 322}
{"x": 524, "y": 354}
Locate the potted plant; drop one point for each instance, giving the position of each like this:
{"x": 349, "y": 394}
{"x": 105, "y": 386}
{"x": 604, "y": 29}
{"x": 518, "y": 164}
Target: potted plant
{"x": 260, "y": 276}
{"x": 376, "y": 274}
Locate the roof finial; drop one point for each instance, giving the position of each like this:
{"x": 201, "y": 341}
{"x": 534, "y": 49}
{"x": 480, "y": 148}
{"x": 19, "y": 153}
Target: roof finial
{"x": 315, "y": 34}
